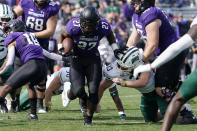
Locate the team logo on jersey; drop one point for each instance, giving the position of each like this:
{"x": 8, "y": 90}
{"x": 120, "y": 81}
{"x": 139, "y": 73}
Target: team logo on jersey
{"x": 84, "y": 38}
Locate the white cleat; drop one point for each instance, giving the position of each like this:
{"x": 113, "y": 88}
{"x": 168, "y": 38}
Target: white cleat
{"x": 41, "y": 111}
{"x": 65, "y": 99}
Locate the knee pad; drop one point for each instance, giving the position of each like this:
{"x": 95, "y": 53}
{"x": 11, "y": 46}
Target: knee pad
{"x": 112, "y": 86}
{"x": 114, "y": 93}
{"x": 94, "y": 98}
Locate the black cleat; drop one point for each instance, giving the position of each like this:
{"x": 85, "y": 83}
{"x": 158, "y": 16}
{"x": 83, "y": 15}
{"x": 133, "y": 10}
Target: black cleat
{"x": 87, "y": 120}
{"x": 32, "y": 117}
{"x": 187, "y": 117}
{"x": 14, "y": 106}
{"x": 3, "y": 106}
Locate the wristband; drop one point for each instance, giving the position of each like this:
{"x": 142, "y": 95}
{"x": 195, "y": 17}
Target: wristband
{"x": 114, "y": 46}
{"x": 126, "y": 83}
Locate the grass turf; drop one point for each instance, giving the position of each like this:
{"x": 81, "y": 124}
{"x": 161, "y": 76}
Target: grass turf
{"x": 70, "y": 118}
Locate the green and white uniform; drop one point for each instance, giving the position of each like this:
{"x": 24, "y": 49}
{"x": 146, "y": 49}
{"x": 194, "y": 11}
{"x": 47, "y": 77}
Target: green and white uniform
{"x": 3, "y": 54}
{"x": 63, "y": 73}
{"x": 189, "y": 87}
{"x": 150, "y": 101}
{"x": 6, "y": 14}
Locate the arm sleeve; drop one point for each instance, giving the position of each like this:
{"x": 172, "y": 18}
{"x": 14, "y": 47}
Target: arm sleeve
{"x": 173, "y": 50}
{"x": 52, "y": 56}
{"x": 10, "y": 57}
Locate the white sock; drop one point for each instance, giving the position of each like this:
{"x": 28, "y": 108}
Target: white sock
{"x": 187, "y": 106}
{"x": 121, "y": 112}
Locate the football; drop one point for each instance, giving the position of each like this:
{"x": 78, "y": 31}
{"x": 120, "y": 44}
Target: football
{"x": 67, "y": 43}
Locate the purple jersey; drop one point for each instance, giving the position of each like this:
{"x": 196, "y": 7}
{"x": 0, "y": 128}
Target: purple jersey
{"x": 27, "y": 46}
{"x": 167, "y": 34}
{"x": 36, "y": 19}
{"x": 87, "y": 44}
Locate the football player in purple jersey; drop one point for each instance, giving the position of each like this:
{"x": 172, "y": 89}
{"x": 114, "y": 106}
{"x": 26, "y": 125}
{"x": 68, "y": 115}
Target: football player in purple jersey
{"x": 40, "y": 18}
{"x": 152, "y": 24}
{"x": 33, "y": 70}
{"x": 86, "y": 31}
{"x": 188, "y": 89}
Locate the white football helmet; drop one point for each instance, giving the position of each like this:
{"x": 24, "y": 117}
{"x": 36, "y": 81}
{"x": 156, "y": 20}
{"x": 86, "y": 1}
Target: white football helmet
{"x": 6, "y": 14}
{"x": 131, "y": 59}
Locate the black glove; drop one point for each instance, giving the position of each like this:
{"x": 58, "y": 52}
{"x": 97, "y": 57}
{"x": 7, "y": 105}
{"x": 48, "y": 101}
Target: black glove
{"x": 118, "y": 53}
{"x": 62, "y": 53}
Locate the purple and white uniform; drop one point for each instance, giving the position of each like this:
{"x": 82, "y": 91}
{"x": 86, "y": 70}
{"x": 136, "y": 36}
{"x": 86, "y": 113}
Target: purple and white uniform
{"x": 27, "y": 46}
{"x": 36, "y": 19}
{"x": 34, "y": 68}
{"x": 85, "y": 45}
{"x": 167, "y": 34}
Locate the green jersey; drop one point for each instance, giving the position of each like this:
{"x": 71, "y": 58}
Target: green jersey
{"x": 3, "y": 49}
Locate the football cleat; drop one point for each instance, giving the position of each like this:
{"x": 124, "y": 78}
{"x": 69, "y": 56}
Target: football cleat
{"x": 32, "y": 117}
{"x": 3, "y": 106}
{"x": 14, "y": 106}
{"x": 65, "y": 100}
{"x": 87, "y": 120}
{"x": 187, "y": 117}
{"x": 123, "y": 117}
{"x": 40, "y": 110}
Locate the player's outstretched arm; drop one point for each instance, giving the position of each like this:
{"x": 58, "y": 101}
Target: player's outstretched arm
{"x": 52, "y": 56}
{"x": 9, "y": 60}
{"x": 172, "y": 51}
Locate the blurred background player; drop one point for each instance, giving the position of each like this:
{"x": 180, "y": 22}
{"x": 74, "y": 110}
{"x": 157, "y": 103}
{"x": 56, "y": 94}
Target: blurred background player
{"x": 86, "y": 31}
{"x": 6, "y": 14}
{"x": 40, "y": 18}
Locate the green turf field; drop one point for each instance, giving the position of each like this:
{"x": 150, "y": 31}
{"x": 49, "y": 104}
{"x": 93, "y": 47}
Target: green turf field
{"x": 70, "y": 119}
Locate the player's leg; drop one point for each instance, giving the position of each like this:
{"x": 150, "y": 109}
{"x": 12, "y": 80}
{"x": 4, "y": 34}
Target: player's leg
{"x": 16, "y": 105}
{"x": 94, "y": 76}
{"x": 3, "y": 92}
{"x": 4, "y": 78}
{"x": 33, "y": 102}
{"x": 162, "y": 105}
{"x": 102, "y": 87}
{"x": 37, "y": 77}
{"x": 172, "y": 112}
{"x": 40, "y": 92}
{"x": 115, "y": 96}
{"x": 187, "y": 91}
{"x": 53, "y": 85}
{"x": 77, "y": 79}
{"x": 149, "y": 107}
